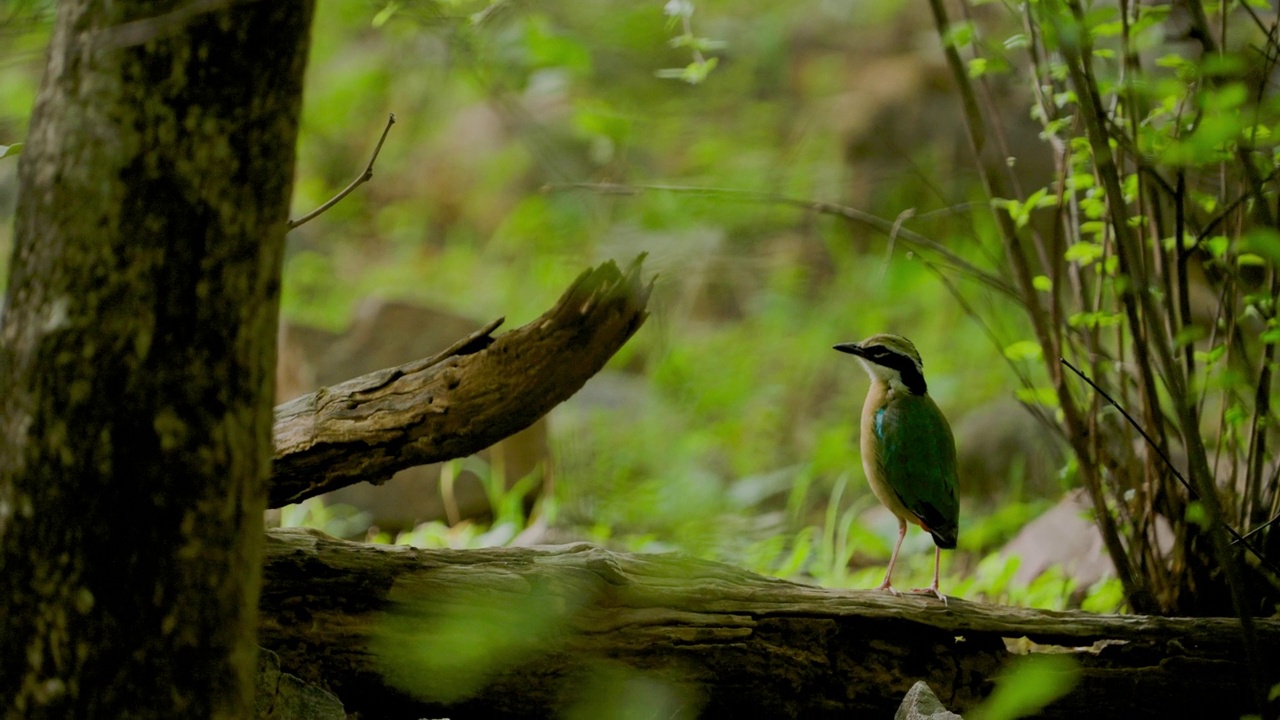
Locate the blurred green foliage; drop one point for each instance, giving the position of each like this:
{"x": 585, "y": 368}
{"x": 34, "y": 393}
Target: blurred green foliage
{"x": 1028, "y": 686}
{"x": 740, "y": 440}
{"x": 737, "y": 437}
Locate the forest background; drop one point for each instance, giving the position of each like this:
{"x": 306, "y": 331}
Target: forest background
{"x": 727, "y": 427}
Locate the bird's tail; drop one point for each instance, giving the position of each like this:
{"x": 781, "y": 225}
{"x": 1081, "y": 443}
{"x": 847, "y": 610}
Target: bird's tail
{"x": 945, "y": 537}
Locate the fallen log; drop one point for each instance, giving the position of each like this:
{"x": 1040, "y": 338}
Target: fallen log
{"x": 457, "y": 402}
{"x": 397, "y": 632}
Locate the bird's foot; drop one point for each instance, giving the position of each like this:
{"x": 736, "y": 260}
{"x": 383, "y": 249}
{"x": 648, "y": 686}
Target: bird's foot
{"x": 886, "y": 587}
{"x": 931, "y": 591}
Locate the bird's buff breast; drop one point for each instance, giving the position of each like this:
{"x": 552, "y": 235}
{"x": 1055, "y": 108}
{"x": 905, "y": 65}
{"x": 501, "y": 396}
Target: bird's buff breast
{"x": 871, "y": 461}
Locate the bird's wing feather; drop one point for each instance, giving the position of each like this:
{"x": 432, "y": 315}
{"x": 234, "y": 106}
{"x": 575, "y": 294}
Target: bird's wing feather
{"x": 918, "y": 460}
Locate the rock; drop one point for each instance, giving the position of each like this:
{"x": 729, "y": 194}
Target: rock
{"x": 1063, "y": 535}
{"x": 281, "y": 696}
{"x": 921, "y": 704}
{"x": 1066, "y": 535}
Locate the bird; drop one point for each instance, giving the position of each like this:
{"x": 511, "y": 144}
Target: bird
{"x": 908, "y": 451}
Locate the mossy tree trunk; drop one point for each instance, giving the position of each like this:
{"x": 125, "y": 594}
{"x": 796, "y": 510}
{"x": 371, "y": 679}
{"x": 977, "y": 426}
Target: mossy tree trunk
{"x": 137, "y": 357}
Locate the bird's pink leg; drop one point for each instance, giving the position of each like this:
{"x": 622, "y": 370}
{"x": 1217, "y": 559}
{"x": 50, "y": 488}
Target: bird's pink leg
{"x": 902, "y": 532}
{"x": 933, "y": 589}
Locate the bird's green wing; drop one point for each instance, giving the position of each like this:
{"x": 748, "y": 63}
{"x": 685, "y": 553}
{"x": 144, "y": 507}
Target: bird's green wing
{"x": 918, "y": 460}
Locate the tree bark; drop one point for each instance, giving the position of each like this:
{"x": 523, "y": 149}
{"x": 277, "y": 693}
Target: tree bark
{"x": 397, "y": 632}
{"x": 137, "y": 357}
{"x": 459, "y": 401}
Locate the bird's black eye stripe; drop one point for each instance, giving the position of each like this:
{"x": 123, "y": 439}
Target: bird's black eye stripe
{"x": 906, "y": 367}
{"x": 883, "y": 354}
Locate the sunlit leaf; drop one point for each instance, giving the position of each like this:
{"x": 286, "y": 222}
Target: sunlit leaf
{"x": 1197, "y": 514}
{"x": 10, "y": 150}
{"x": 1030, "y": 684}
{"x": 1212, "y": 356}
{"x": 1263, "y": 244}
{"x": 447, "y": 649}
{"x": 1092, "y": 227}
{"x": 1172, "y": 60}
{"x": 385, "y": 14}
{"x": 693, "y": 73}
{"x": 1023, "y": 350}
{"x": 1104, "y": 596}
{"x": 959, "y": 34}
{"x": 1081, "y": 181}
{"x": 1083, "y": 253}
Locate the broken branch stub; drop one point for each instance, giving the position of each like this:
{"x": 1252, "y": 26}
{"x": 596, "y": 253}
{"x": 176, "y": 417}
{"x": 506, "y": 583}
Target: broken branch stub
{"x": 459, "y": 401}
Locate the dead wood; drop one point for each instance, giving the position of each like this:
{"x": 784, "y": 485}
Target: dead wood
{"x": 390, "y": 631}
{"x": 459, "y": 401}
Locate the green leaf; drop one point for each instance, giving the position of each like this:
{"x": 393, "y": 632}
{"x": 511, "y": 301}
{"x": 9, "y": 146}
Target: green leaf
{"x": 1104, "y": 596}
{"x": 1261, "y": 245}
{"x": 1023, "y": 350}
{"x": 1172, "y": 61}
{"x": 549, "y": 48}
{"x": 1189, "y": 334}
{"x": 1226, "y": 98}
{"x": 1081, "y": 181}
{"x": 693, "y": 73}
{"x": 1235, "y": 414}
{"x": 1083, "y": 252}
{"x": 1042, "y": 283}
{"x": 1217, "y": 245}
{"x": 1211, "y": 357}
{"x": 1031, "y": 683}
{"x": 959, "y": 35}
{"x": 385, "y": 14}
{"x": 1196, "y": 514}
{"x": 1095, "y": 319}
{"x": 10, "y": 150}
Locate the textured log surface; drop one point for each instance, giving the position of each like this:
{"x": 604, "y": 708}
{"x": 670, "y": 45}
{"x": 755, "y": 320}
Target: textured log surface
{"x": 390, "y": 630}
{"x": 459, "y": 401}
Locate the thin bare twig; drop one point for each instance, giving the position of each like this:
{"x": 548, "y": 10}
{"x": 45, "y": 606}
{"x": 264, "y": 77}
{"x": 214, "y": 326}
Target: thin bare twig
{"x": 362, "y": 179}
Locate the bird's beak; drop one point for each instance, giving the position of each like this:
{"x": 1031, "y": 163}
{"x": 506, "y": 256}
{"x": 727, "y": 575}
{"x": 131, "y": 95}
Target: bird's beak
{"x": 852, "y": 348}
